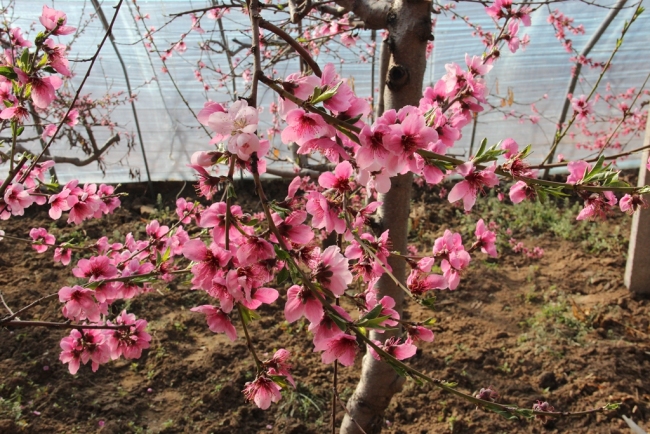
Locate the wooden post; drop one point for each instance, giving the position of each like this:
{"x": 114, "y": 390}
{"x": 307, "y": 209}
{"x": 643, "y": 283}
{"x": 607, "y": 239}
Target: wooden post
{"x": 637, "y": 270}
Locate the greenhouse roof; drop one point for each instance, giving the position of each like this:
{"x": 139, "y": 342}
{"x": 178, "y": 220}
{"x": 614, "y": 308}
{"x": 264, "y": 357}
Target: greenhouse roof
{"x": 171, "y": 134}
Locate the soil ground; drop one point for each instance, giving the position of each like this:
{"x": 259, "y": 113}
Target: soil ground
{"x": 562, "y": 329}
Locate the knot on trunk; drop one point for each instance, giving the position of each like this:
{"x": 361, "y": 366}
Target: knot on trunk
{"x": 398, "y": 77}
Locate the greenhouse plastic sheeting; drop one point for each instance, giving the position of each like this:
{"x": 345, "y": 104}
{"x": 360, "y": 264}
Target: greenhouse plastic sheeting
{"x": 171, "y": 133}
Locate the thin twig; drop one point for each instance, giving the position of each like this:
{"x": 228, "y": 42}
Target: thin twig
{"x": 60, "y": 325}
{"x": 5, "y": 304}
{"x": 304, "y": 54}
{"x": 14, "y": 315}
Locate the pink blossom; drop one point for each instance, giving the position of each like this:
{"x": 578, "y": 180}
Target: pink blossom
{"x": 339, "y": 180}
{"x": 387, "y": 303}
{"x": 596, "y": 206}
{"x": 55, "y": 21}
{"x": 56, "y": 57}
{"x": 582, "y": 107}
{"x": 278, "y": 365}
{"x": 332, "y": 271}
{"x": 96, "y": 268}
{"x": 485, "y": 239}
{"x": 292, "y": 229}
{"x": 254, "y": 249}
{"x": 511, "y": 147}
{"x": 62, "y": 255}
{"x": 73, "y": 118}
{"x": 48, "y": 131}
{"x": 79, "y": 303}
{"x": 520, "y": 191}
{"x": 83, "y": 346}
{"x": 327, "y": 329}
{"x": 419, "y": 283}
{"x": 343, "y": 348}
{"x": 128, "y": 342}
{"x": 262, "y": 391}
{"x": 629, "y": 204}
{"x": 419, "y": 333}
{"x": 303, "y": 127}
{"x": 473, "y": 184}
{"x": 41, "y": 239}
{"x": 208, "y": 261}
{"x": 325, "y": 214}
{"x": 577, "y": 170}
{"x": 218, "y": 321}
{"x": 301, "y": 302}
{"x": 395, "y": 348}
{"x": 60, "y": 202}
{"x": 17, "y": 198}
{"x": 342, "y": 100}
{"x": 17, "y": 38}
{"x": 240, "y": 118}
{"x": 243, "y": 145}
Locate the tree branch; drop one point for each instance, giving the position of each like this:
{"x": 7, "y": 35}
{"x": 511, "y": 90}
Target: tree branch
{"x": 374, "y": 14}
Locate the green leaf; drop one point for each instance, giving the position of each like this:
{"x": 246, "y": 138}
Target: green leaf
{"x": 282, "y": 275}
{"x": 24, "y": 59}
{"x": 326, "y": 94}
{"x": 428, "y": 302}
{"x": 502, "y": 412}
{"x": 431, "y": 321}
{"x": 374, "y": 323}
{"x": 481, "y": 148}
{"x": 612, "y": 406}
{"x": 230, "y": 192}
{"x": 8, "y": 72}
{"x": 340, "y": 322}
{"x": 281, "y": 254}
{"x": 19, "y": 131}
{"x": 280, "y": 380}
{"x": 248, "y": 315}
{"x": 50, "y": 70}
{"x": 374, "y": 313}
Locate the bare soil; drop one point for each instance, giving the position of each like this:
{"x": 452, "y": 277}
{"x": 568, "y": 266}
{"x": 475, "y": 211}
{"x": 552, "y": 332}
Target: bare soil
{"x": 561, "y": 329}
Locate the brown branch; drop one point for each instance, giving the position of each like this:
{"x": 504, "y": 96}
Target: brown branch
{"x": 591, "y": 160}
{"x": 77, "y": 161}
{"x": 59, "y": 325}
{"x": 14, "y": 315}
{"x": 295, "y": 44}
{"x": 374, "y": 13}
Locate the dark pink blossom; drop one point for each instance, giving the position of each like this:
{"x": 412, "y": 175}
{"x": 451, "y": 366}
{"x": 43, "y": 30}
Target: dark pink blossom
{"x": 96, "y": 268}
{"x": 208, "y": 261}
{"x": 332, "y": 271}
{"x": 395, "y": 347}
{"x": 218, "y": 321}
{"x": 79, "y": 303}
{"x": 485, "y": 239}
{"x": 339, "y": 180}
{"x": 474, "y": 183}
{"x": 41, "y": 239}
{"x": 128, "y": 342}
{"x": 343, "y": 348}
{"x": 301, "y": 302}
{"x": 262, "y": 392}
{"x": 278, "y": 365}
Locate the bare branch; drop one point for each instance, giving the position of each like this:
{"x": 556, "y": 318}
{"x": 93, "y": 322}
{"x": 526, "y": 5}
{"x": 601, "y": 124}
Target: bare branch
{"x": 96, "y": 155}
{"x": 373, "y": 13}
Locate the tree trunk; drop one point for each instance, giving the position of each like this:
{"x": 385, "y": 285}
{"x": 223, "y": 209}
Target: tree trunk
{"x": 409, "y": 26}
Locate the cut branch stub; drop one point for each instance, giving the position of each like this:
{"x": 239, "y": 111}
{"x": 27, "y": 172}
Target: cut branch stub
{"x": 398, "y": 77}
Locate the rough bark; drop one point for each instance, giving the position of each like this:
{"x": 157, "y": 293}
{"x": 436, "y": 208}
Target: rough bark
{"x": 409, "y": 26}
